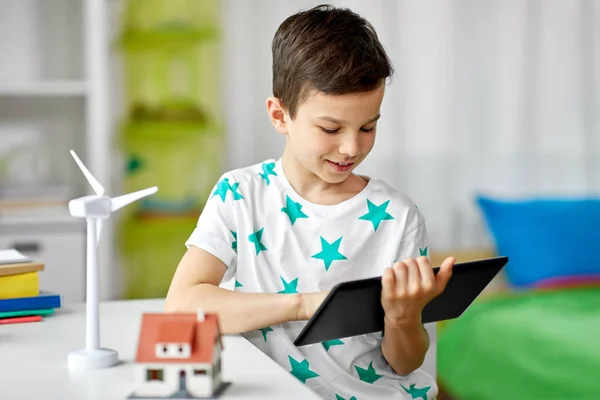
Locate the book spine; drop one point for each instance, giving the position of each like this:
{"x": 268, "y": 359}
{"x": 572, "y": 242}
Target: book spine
{"x": 19, "y": 285}
{"x": 30, "y": 303}
{"x": 20, "y": 320}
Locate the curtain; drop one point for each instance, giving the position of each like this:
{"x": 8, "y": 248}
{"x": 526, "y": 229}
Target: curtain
{"x": 496, "y": 97}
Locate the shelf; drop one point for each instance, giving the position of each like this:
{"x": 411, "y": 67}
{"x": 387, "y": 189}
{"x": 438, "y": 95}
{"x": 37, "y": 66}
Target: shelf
{"x": 43, "y": 88}
{"x": 166, "y": 37}
{"x": 50, "y": 214}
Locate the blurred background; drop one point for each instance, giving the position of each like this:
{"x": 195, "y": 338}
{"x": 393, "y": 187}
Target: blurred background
{"x": 491, "y": 125}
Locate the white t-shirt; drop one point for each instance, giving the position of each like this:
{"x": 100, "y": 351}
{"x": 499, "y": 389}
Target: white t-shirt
{"x": 274, "y": 241}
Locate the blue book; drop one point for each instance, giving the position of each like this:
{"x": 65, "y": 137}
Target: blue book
{"x": 43, "y": 300}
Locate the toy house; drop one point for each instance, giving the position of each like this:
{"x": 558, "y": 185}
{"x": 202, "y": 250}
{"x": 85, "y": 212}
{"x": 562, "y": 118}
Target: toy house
{"x": 178, "y": 356}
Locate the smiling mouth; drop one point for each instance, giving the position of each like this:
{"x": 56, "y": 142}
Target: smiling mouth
{"x": 340, "y": 167}
{"x": 342, "y": 164}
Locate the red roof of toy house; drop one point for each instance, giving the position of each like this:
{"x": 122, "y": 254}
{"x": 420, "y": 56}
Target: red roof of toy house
{"x": 178, "y": 328}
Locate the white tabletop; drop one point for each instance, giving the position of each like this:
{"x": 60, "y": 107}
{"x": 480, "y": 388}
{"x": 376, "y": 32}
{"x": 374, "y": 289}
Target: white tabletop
{"x": 33, "y": 359}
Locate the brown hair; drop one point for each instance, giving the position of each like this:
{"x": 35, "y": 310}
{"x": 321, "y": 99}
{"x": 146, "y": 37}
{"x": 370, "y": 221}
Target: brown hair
{"x": 332, "y": 50}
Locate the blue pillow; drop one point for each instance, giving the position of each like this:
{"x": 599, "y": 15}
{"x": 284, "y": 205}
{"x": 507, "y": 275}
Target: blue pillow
{"x": 545, "y": 238}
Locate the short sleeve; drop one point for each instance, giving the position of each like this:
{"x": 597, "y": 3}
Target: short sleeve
{"x": 414, "y": 243}
{"x": 216, "y": 229}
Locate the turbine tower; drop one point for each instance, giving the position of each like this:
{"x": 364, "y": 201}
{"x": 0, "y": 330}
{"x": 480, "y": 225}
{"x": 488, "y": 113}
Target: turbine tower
{"x": 95, "y": 208}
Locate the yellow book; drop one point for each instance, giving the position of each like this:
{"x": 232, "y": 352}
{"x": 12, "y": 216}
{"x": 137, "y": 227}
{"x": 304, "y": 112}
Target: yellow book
{"x": 19, "y": 285}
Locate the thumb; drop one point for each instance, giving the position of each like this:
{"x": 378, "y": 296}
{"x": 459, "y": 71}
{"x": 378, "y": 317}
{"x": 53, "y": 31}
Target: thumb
{"x": 445, "y": 273}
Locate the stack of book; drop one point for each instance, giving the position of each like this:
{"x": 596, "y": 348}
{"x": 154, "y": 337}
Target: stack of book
{"x": 21, "y": 299}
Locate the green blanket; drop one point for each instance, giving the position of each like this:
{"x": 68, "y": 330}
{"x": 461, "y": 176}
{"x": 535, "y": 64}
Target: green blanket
{"x": 533, "y": 345}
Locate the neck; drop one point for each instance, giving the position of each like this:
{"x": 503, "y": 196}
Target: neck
{"x": 302, "y": 180}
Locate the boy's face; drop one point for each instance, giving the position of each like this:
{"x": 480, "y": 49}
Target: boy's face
{"x": 332, "y": 134}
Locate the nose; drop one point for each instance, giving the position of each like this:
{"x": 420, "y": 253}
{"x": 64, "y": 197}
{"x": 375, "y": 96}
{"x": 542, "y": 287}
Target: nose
{"x": 350, "y": 146}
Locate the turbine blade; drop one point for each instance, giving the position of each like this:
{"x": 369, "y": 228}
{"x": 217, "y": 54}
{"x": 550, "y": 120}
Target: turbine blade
{"x": 88, "y": 175}
{"x": 123, "y": 200}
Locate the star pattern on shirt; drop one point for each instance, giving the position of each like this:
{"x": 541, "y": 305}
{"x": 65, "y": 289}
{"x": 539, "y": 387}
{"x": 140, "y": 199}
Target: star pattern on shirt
{"x": 368, "y": 375}
{"x": 236, "y": 195}
{"x": 338, "y": 397}
{"x": 255, "y": 238}
{"x": 264, "y": 332}
{"x": 223, "y": 186}
{"x": 267, "y": 169}
{"x": 301, "y": 370}
{"x": 376, "y": 214}
{"x": 416, "y": 393}
{"x": 289, "y": 287}
{"x": 335, "y": 342}
{"x": 293, "y": 210}
{"x": 329, "y": 252}
{"x": 234, "y": 243}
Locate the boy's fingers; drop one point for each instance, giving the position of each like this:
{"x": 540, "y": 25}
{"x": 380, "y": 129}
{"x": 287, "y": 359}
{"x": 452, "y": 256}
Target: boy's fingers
{"x": 413, "y": 275}
{"x": 388, "y": 282}
{"x": 401, "y": 278}
{"x": 427, "y": 276}
{"x": 444, "y": 274}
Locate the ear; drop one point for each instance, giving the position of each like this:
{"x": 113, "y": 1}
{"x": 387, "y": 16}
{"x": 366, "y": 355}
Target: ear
{"x": 277, "y": 115}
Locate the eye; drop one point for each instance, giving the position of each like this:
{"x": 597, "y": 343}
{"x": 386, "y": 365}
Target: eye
{"x": 180, "y": 349}
{"x": 330, "y": 131}
{"x": 165, "y": 349}
{"x": 367, "y": 130}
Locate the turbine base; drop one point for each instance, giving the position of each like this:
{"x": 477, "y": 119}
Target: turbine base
{"x": 93, "y": 359}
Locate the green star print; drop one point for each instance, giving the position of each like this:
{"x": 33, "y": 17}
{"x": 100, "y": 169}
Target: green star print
{"x": 329, "y": 252}
{"x": 423, "y": 252}
{"x": 416, "y": 393}
{"x": 301, "y": 370}
{"x": 329, "y": 343}
{"x": 223, "y": 187}
{"x": 236, "y": 195}
{"x": 234, "y": 243}
{"x": 376, "y": 214}
{"x": 367, "y": 375}
{"x": 293, "y": 210}
{"x": 265, "y": 331}
{"x": 289, "y": 287}
{"x": 255, "y": 238}
{"x": 237, "y": 284}
{"x": 338, "y": 397}
{"x": 267, "y": 170}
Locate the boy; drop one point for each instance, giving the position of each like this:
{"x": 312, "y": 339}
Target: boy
{"x": 289, "y": 229}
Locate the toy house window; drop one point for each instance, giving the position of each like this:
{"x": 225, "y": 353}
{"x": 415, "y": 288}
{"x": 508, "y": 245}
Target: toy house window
{"x": 154, "y": 375}
{"x": 199, "y": 372}
{"x": 173, "y": 350}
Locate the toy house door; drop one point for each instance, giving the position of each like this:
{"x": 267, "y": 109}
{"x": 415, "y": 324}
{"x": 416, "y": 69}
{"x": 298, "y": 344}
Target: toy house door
{"x": 182, "y": 380}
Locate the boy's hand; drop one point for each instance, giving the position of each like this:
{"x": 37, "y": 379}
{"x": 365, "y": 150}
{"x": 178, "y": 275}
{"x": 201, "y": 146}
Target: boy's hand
{"x": 409, "y": 285}
{"x": 309, "y": 302}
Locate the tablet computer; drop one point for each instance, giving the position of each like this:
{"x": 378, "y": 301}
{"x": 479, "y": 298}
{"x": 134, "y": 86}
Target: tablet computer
{"x": 354, "y": 308}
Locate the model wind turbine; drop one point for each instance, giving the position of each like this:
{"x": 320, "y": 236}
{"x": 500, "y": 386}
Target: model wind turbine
{"x": 94, "y": 208}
